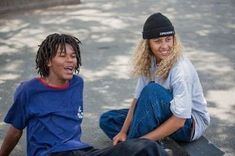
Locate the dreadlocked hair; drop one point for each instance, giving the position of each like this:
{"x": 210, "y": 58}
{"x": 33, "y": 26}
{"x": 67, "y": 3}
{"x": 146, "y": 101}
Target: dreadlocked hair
{"x": 48, "y": 49}
{"x": 142, "y": 59}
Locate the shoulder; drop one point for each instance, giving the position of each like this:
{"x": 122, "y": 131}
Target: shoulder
{"x": 27, "y": 84}
{"x": 183, "y": 70}
{"x": 25, "y": 87}
{"x": 77, "y": 78}
{"x": 76, "y": 81}
{"x": 183, "y": 62}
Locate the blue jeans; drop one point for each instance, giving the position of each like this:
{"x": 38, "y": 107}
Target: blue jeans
{"x": 152, "y": 109}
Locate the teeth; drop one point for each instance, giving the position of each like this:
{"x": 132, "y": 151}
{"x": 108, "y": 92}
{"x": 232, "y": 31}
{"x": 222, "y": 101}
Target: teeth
{"x": 68, "y": 68}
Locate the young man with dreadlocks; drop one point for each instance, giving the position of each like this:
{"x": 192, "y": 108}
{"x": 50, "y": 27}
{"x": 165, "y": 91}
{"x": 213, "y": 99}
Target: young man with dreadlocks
{"x": 169, "y": 99}
{"x": 51, "y": 107}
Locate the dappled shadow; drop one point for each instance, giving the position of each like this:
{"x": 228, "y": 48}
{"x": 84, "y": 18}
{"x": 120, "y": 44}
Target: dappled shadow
{"x": 223, "y": 133}
{"x": 108, "y": 31}
{"x": 16, "y": 65}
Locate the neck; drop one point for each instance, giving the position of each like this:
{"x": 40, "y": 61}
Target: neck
{"x": 158, "y": 61}
{"x": 54, "y": 83}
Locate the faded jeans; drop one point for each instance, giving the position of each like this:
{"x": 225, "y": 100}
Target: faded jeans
{"x": 152, "y": 109}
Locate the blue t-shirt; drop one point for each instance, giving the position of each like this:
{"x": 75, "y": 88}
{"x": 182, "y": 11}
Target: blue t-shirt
{"x": 52, "y": 116}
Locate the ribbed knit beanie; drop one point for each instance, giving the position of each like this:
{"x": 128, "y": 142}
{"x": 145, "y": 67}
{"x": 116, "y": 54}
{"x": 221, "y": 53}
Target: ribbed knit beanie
{"x": 157, "y": 25}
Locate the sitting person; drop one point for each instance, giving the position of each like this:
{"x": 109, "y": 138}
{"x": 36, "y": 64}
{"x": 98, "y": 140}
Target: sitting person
{"x": 169, "y": 99}
{"x": 51, "y": 107}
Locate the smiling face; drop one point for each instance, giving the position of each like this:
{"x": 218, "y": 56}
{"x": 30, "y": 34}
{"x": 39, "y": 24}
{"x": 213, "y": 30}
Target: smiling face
{"x": 161, "y": 47}
{"x": 62, "y": 66}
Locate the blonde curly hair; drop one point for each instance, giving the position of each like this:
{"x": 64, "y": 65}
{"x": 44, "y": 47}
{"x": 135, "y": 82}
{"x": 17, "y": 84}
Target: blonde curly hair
{"x": 142, "y": 59}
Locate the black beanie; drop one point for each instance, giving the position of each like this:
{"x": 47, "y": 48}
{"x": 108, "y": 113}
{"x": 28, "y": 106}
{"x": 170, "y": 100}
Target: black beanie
{"x": 157, "y": 25}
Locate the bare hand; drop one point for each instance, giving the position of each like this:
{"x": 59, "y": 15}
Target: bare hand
{"x": 121, "y": 136}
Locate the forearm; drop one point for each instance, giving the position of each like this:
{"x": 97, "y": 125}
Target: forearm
{"x": 129, "y": 117}
{"x": 165, "y": 129}
{"x": 11, "y": 139}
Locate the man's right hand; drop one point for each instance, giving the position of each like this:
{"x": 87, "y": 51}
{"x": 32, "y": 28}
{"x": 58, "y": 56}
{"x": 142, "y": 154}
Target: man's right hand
{"x": 121, "y": 136}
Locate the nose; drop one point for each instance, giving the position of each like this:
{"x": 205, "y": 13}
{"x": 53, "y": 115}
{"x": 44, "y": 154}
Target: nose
{"x": 164, "y": 45}
{"x": 69, "y": 59}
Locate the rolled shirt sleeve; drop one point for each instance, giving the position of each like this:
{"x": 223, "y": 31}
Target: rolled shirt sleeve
{"x": 181, "y": 104}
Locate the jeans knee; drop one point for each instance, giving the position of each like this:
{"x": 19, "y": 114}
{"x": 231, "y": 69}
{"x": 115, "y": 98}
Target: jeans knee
{"x": 153, "y": 87}
{"x": 103, "y": 120}
{"x": 156, "y": 91}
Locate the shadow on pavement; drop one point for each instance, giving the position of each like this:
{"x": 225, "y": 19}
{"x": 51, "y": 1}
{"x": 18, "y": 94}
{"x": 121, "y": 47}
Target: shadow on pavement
{"x": 109, "y": 31}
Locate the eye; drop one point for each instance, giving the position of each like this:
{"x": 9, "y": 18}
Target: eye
{"x": 62, "y": 54}
{"x": 156, "y": 40}
{"x": 73, "y": 55}
{"x": 168, "y": 39}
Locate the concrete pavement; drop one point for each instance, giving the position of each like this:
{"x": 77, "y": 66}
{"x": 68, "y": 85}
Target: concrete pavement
{"x": 109, "y": 31}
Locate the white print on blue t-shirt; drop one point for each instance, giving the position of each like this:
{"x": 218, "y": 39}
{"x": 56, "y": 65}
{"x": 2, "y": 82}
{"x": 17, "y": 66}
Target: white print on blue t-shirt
{"x": 80, "y": 112}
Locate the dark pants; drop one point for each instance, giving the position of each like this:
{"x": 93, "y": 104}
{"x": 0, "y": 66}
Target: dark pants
{"x": 132, "y": 147}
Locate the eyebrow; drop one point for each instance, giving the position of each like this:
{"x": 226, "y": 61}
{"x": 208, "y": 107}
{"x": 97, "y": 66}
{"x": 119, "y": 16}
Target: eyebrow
{"x": 73, "y": 52}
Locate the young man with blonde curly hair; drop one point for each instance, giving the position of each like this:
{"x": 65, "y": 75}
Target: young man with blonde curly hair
{"x": 168, "y": 99}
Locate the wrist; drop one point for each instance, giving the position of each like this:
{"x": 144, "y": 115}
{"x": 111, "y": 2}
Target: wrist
{"x": 123, "y": 131}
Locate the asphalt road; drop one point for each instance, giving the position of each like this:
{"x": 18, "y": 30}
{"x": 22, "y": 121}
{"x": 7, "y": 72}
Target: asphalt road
{"x": 109, "y": 31}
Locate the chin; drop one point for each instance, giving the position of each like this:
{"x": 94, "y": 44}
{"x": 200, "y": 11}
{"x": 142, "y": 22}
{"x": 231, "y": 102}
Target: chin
{"x": 68, "y": 77}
